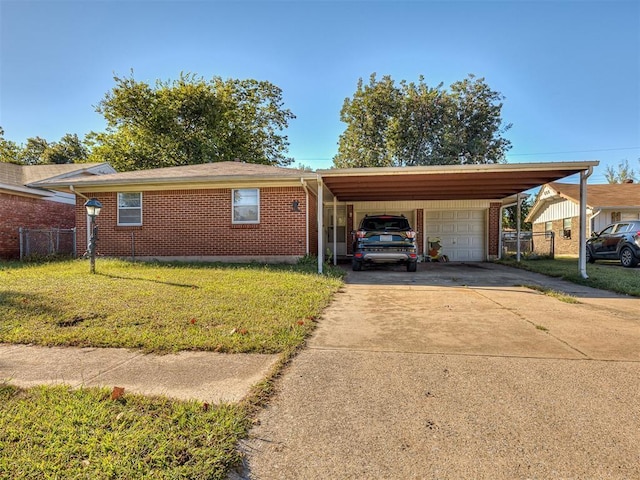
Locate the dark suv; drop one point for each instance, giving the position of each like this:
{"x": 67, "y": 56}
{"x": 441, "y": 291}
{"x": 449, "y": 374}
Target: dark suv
{"x": 619, "y": 241}
{"x": 385, "y": 239}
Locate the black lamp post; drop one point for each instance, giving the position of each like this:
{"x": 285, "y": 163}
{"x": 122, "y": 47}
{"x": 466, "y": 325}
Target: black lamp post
{"x": 93, "y": 207}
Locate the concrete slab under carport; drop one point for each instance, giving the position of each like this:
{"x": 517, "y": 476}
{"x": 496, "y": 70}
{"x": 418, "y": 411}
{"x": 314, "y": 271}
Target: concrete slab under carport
{"x": 480, "y": 309}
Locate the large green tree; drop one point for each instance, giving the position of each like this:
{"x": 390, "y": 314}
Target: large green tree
{"x": 191, "y": 121}
{"x": 410, "y": 123}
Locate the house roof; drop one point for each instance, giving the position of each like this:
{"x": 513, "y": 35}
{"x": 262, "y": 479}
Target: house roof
{"x": 23, "y": 178}
{"x": 442, "y": 182}
{"x": 603, "y": 195}
{"x": 186, "y": 175}
{"x": 445, "y": 182}
{"x": 599, "y": 196}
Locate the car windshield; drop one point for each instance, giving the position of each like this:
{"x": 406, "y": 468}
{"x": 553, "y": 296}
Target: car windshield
{"x": 385, "y": 224}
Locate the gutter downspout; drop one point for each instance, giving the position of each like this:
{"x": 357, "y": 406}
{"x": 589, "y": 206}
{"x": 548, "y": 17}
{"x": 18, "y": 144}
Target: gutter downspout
{"x": 582, "y": 255}
{"x": 306, "y": 192}
{"x": 591, "y": 219}
{"x": 77, "y": 193}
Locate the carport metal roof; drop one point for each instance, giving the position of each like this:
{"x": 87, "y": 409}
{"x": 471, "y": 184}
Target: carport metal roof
{"x": 450, "y": 182}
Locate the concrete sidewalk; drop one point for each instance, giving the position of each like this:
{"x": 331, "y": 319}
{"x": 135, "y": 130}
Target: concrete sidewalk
{"x": 458, "y": 372}
{"x": 204, "y": 376}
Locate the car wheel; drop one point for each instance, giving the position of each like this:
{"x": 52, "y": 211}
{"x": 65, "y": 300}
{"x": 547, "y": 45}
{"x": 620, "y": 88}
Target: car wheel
{"x": 412, "y": 266}
{"x": 356, "y": 265}
{"x": 627, "y": 259}
{"x": 590, "y": 258}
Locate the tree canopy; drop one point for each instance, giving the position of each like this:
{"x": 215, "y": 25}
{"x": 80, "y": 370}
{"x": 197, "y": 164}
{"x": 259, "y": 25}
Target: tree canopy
{"x": 191, "y": 121}
{"x": 620, "y": 175}
{"x": 37, "y": 150}
{"x": 414, "y": 124}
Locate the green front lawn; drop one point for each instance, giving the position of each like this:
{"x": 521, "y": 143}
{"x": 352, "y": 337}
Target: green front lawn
{"x": 603, "y": 275}
{"x": 58, "y": 432}
{"x": 161, "y": 308}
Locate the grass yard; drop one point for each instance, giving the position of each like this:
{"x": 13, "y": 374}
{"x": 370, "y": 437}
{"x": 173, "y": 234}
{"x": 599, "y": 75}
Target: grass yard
{"x": 161, "y": 308}
{"x": 58, "y": 432}
{"x": 603, "y": 275}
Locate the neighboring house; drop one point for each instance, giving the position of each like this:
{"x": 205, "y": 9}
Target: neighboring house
{"x": 233, "y": 211}
{"x": 557, "y": 209}
{"x": 24, "y": 204}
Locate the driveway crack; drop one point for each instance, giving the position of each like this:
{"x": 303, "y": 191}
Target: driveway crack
{"x": 523, "y": 318}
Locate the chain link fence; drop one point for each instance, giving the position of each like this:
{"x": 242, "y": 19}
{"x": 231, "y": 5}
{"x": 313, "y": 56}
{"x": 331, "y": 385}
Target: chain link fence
{"x": 47, "y": 242}
{"x": 531, "y": 244}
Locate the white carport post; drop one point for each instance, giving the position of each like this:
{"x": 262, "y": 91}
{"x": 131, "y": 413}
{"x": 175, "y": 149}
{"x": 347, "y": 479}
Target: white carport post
{"x": 518, "y": 214}
{"x": 582, "y": 252}
{"x": 320, "y": 214}
{"x": 335, "y": 231}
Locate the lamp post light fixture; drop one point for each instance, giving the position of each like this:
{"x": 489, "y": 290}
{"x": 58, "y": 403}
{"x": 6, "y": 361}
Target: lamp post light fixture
{"x": 93, "y": 207}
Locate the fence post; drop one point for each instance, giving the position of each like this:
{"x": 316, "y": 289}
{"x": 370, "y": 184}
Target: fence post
{"x": 75, "y": 250}
{"x": 21, "y": 243}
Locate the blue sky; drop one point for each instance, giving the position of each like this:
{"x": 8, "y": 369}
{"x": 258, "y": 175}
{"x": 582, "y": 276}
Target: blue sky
{"x": 570, "y": 70}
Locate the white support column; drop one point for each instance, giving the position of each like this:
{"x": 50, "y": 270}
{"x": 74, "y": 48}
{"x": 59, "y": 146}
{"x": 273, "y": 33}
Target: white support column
{"x": 582, "y": 255}
{"x": 335, "y": 230}
{"x": 518, "y": 215}
{"x": 320, "y": 225}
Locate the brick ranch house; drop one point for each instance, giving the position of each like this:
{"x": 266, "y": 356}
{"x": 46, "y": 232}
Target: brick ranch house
{"x": 232, "y": 211}
{"x": 23, "y": 203}
{"x": 557, "y": 205}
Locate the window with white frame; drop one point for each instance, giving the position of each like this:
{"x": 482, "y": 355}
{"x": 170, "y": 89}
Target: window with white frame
{"x": 130, "y": 208}
{"x": 246, "y": 205}
{"x": 548, "y": 229}
{"x": 566, "y": 228}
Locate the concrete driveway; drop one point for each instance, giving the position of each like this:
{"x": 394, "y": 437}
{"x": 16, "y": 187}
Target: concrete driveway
{"x": 458, "y": 371}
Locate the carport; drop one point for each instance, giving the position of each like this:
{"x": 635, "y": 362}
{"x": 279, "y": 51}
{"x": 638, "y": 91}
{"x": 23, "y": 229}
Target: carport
{"x": 495, "y": 182}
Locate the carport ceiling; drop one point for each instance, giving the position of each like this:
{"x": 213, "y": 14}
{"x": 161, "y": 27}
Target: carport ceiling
{"x": 450, "y": 182}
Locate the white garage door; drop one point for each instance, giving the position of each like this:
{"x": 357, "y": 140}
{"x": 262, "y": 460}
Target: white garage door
{"x": 461, "y": 233}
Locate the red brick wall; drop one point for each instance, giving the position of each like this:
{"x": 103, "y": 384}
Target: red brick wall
{"x": 419, "y": 227}
{"x": 17, "y": 211}
{"x": 198, "y": 223}
{"x": 562, "y": 246}
{"x": 494, "y": 229}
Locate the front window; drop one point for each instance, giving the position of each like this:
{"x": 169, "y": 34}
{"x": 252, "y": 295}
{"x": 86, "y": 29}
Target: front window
{"x": 246, "y": 205}
{"x": 566, "y": 228}
{"x": 130, "y": 209}
{"x": 548, "y": 229}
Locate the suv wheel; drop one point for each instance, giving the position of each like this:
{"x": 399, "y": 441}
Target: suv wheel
{"x": 412, "y": 266}
{"x": 356, "y": 265}
{"x": 627, "y": 259}
{"x": 590, "y": 258}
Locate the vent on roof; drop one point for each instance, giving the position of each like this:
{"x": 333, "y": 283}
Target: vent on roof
{"x": 628, "y": 180}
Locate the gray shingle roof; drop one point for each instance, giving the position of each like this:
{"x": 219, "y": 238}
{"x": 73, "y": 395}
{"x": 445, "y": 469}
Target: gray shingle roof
{"x": 186, "y": 173}
{"x": 22, "y": 175}
{"x": 602, "y": 195}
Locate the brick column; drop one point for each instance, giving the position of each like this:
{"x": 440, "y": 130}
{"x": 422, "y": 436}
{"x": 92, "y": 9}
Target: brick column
{"x": 420, "y": 229}
{"x": 494, "y": 230}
